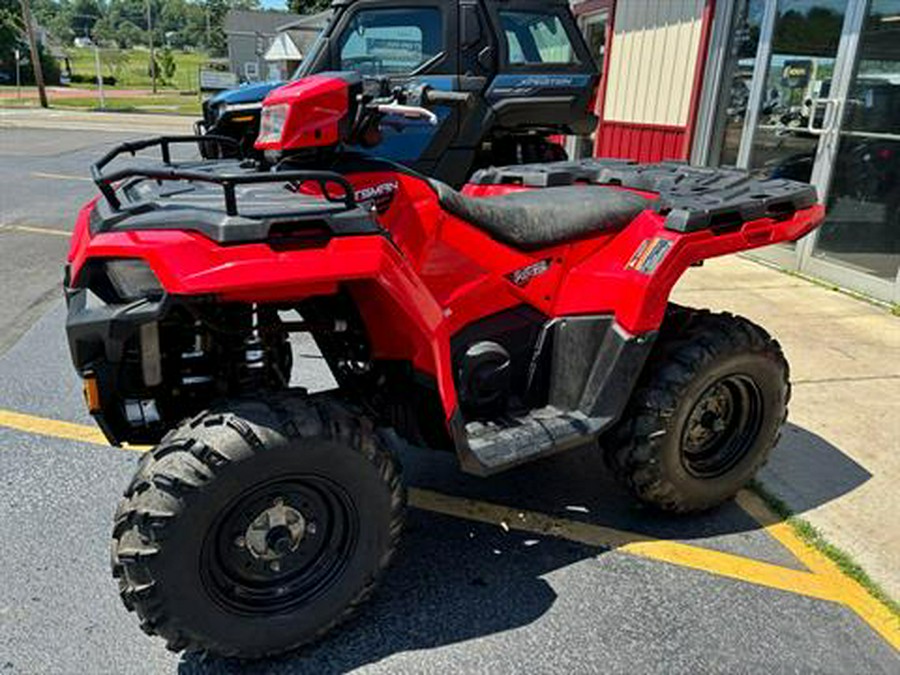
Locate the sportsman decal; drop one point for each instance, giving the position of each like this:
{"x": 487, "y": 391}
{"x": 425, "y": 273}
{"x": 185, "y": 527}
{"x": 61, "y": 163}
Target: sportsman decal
{"x": 522, "y": 277}
{"x": 381, "y": 196}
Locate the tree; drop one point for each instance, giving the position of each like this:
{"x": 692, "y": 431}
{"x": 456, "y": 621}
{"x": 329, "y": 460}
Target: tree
{"x": 167, "y": 65}
{"x": 56, "y": 17}
{"x": 116, "y": 62}
{"x": 308, "y": 6}
{"x": 84, "y": 14}
{"x": 12, "y": 37}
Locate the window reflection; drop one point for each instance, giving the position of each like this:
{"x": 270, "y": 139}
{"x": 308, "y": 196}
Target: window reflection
{"x": 738, "y": 75}
{"x": 863, "y": 226}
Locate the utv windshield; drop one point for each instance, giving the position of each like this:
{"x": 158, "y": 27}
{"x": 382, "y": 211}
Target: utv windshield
{"x": 391, "y": 41}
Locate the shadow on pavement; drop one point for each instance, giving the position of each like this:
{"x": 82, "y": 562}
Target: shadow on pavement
{"x": 808, "y": 471}
{"x": 453, "y": 581}
{"x": 456, "y": 580}
{"x": 578, "y": 486}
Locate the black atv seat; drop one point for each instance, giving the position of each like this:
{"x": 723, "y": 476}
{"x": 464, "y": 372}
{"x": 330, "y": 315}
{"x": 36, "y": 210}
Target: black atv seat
{"x": 540, "y": 218}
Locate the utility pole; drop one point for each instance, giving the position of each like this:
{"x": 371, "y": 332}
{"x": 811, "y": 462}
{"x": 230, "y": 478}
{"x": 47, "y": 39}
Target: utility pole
{"x": 35, "y": 57}
{"x": 18, "y": 73}
{"x": 150, "y": 38}
{"x": 99, "y": 76}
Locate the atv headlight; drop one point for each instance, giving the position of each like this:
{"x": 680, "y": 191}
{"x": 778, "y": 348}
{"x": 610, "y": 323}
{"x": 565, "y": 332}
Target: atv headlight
{"x": 133, "y": 279}
{"x": 271, "y": 124}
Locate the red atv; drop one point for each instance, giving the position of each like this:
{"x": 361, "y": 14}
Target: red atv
{"x": 523, "y": 316}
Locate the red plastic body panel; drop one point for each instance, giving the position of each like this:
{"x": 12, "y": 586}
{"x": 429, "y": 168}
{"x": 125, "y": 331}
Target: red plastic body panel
{"x": 317, "y": 106}
{"x": 437, "y": 274}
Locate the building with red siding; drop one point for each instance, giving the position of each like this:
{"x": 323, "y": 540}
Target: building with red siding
{"x": 801, "y": 89}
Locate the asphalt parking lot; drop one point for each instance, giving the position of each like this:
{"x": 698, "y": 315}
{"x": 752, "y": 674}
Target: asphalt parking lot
{"x": 549, "y": 568}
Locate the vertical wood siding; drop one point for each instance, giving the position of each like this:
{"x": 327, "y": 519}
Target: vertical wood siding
{"x": 641, "y": 142}
{"x": 654, "y": 57}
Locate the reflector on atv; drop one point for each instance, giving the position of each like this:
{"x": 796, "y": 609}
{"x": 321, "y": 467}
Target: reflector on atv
{"x": 525, "y": 315}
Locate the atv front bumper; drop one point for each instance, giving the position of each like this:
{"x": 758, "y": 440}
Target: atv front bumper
{"x": 112, "y": 347}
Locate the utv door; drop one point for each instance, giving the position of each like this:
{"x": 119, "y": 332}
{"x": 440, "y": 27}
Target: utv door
{"x": 415, "y": 42}
{"x": 546, "y": 74}
{"x": 533, "y": 76}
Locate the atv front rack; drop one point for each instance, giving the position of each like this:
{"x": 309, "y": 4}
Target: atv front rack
{"x": 205, "y": 172}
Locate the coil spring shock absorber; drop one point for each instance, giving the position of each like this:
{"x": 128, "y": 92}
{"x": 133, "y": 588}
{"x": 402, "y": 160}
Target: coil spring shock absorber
{"x": 253, "y": 364}
{"x": 195, "y": 368}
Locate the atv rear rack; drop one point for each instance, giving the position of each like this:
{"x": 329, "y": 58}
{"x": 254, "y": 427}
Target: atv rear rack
{"x": 691, "y": 198}
{"x": 203, "y": 172}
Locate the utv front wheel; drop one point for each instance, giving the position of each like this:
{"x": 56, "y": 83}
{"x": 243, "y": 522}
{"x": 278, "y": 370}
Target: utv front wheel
{"x": 706, "y": 415}
{"x": 254, "y": 529}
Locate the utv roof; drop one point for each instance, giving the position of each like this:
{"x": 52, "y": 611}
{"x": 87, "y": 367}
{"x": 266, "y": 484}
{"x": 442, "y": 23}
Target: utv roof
{"x": 545, "y": 3}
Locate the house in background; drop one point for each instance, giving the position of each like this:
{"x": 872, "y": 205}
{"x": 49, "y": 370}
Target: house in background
{"x": 292, "y": 44}
{"x": 250, "y": 35}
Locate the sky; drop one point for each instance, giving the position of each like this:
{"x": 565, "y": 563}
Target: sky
{"x": 273, "y": 4}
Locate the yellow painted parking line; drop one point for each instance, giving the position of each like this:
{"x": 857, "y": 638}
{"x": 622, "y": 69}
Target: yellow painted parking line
{"x": 60, "y": 176}
{"x": 37, "y": 230}
{"x": 849, "y": 592}
{"x": 673, "y": 552}
{"x": 55, "y": 428}
{"x": 825, "y": 581}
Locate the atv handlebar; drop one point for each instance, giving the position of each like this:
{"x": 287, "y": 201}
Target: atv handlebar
{"x": 412, "y": 112}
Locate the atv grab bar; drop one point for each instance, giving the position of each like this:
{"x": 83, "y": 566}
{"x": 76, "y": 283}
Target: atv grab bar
{"x": 228, "y": 181}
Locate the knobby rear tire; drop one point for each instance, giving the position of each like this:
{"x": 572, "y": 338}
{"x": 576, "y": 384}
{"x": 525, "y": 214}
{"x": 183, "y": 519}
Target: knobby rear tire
{"x": 696, "y": 349}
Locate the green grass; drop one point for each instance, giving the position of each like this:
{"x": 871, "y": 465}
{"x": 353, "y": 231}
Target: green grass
{"x": 811, "y": 536}
{"x": 895, "y": 310}
{"x": 133, "y": 69}
{"x": 167, "y": 103}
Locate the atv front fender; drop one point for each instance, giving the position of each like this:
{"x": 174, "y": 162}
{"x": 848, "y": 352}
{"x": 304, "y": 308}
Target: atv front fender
{"x": 402, "y": 318}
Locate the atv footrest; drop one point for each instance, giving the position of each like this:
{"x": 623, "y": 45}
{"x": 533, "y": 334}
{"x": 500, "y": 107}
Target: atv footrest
{"x": 495, "y": 446}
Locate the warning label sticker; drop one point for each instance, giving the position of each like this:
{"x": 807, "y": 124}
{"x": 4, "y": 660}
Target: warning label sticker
{"x": 649, "y": 255}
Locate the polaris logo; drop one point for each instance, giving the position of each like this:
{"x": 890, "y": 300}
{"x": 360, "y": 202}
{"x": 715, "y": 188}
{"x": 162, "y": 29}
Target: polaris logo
{"x": 521, "y": 277}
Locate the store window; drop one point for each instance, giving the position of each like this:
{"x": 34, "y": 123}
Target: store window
{"x": 536, "y": 38}
{"x": 805, "y": 41}
{"x": 594, "y": 28}
{"x": 737, "y": 78}
{"x": 391, "y": 41}
{"x": 863, "y": 226}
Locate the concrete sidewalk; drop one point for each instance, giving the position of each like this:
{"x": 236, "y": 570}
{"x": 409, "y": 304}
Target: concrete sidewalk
{"x": 838, "y": 464}
{"x": 39, "y": 118}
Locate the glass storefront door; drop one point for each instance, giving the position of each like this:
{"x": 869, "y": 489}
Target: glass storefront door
{"x": 786, "y": 139}
{"x": 863, "y": 228}
{"x": 823, "y": 106}
{"x": 803, "y": 49}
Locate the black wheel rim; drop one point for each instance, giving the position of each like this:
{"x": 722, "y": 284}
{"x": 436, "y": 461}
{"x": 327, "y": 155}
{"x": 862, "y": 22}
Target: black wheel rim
{"x": 279, "y": 545}
{"x": 722, "y": 427}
